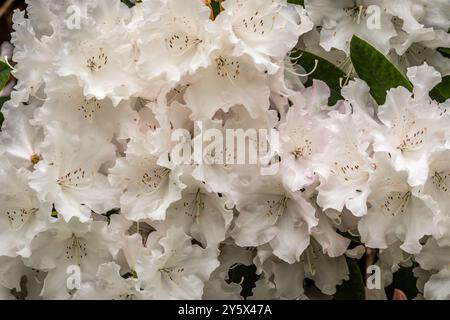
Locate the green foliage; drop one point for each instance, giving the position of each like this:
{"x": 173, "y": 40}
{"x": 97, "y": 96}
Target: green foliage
{"x": 441, "y": 92}
{"x": 216, "y": 7}
{"x": 353, "y": 288}
{"x": 300, "y": 2}
{"x": 3, "y": 100}
{"x": 325, "y": 71}
{"x": 445, "y": 52}
{"x": 376, "y": 69}
{"x": 128, "y": 3}
{"x": 5, "y": 76}
{"x": 54, "y": 213}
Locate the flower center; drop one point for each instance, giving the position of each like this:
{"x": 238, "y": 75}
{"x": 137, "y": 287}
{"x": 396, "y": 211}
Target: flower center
{"x": 98, "y": 61}
{"x": 89, "y": 107}
{"x": 19, "y": 216}
{"x": 154, "y": 177}
{"x": 180, "y": 43}
{"x": 413, "y": 140}
{"x": 438, "y": 180}
{"x": 76, "y": 249}
{"x": 227, "y": 68}
{"x": 277, "y": 208}
{"x": 396, "y": 202}
{"x": 356, "y": 12}
{"x": 72, "y": 178}
{"x": 35, "y": 158}
{"x": 171, "y": 272}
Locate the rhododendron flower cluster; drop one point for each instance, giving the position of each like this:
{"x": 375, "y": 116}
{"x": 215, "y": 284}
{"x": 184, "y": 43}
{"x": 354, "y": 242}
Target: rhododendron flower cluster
{"x": 105, "y": 194}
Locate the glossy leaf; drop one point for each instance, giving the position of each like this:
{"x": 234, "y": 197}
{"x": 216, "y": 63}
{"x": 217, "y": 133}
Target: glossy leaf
{"x": 445, "y": 52}
{"x": 5, "y": 74}
{"x": 2, "y": 101}
{"x": 375, "y": 68}
{"x": 441, "y": 92}
{"x": 354, "y": 288}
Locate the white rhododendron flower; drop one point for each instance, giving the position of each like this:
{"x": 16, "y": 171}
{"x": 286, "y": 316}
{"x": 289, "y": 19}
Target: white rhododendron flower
{"x": 86, "y": 245}
{"x": 174, "y": 268}
{"x": 179, "y": 42}
{"x": 69, "y": 176}
{"x": 270, "y": 213}
{"x": 229, "y": 80}
{"x": 340, "y": 20}
{"x": 23, "y": 215}
{"x": 225, "y": 149}
{"x": 346, "y": 171}
{"x": 149, "y": 187}
{"x": 265, "y": 31}
{"x": 398, "y": 211}
{"x": 415, "y": 125}
{"x": 21, "y": 141}
{"x": 434, "y": 258}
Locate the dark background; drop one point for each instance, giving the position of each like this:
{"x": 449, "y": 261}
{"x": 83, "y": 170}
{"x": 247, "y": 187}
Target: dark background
{"x": 6, "y": 9}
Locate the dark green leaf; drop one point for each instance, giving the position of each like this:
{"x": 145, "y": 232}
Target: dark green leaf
{"x": 374, "y": 68}
{"x": 131, "y": 274}
{"x": 2, "y": 101}
{"x": 128, "y": 3}
{"x": 325, "y": 71}
{"x": 54, "y": 214}
{"x": 441, "y": 92}
{"x": 354, "y": 288}
{"x": 445, "y": 52}
{"x": 216, "y": 6}
{"x": 5, "y": 74}
{"x": 300, "y": 2}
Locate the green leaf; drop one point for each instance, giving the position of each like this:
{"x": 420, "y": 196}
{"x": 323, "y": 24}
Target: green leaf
{"x": 325, "y": 71}
{"x": 352, "y": 289}
{"x": 445, "y": 52}
{"x": 441, "y": 92}
{"x": 299, "y": 2}
{"x": 54, "y": 214}
{"x": 374, "y": 68}
{"x": 128, "y": 3}
{"x": 5, "y": 74}
{"x": 216, "y": 6}
{"x": 132, "y": 274}
{"x": 2, "y": 101}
